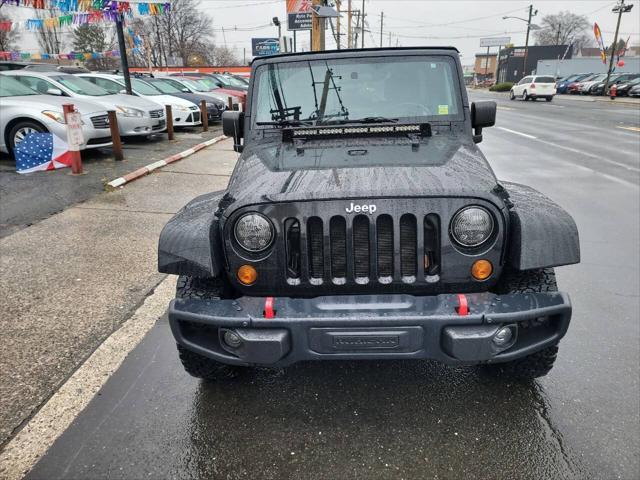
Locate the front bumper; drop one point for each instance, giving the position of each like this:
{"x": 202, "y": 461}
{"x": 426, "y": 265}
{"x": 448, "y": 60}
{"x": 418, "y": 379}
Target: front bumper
{"x": 134, "y": 126}
{"x": 371, "y": 327}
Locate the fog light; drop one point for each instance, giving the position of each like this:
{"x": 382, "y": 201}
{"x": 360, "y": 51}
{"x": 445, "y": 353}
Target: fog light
{"x": 247, "y": 275}
{"x": 481, "y": 269}
{"x": 503, "y": 336}
{"x": 232, "y": 339}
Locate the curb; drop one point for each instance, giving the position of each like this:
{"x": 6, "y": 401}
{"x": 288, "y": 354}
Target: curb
{"x": 575, "y": 98}
{"x": 141, "y": 172}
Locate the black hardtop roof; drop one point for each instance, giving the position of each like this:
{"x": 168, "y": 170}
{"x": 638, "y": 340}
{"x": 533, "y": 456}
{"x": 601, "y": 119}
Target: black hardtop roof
{"x": 357, "y": 52}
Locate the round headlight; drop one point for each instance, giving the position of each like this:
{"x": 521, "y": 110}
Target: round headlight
{"x": 253, "y": 232}
{"x": 472, "y": 226}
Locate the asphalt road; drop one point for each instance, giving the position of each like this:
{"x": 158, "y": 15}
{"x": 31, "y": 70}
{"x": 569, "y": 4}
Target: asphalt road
{"x": 417, "y": 419}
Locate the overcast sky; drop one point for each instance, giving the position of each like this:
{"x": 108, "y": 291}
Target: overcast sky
{"x": 410, "y": 22}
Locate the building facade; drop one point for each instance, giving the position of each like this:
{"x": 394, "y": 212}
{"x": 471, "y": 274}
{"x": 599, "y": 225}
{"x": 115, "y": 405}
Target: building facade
{"x": 511, "y": 67}
{"x": 484, "y": 67}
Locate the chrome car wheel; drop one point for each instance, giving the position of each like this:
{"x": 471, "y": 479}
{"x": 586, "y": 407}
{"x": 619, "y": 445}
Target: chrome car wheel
{"x": 21, "y": 134}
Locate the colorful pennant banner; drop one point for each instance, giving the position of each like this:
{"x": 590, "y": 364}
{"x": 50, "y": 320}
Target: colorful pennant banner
{"x": 64, "y": 56}
{"x": 145, "y": 8}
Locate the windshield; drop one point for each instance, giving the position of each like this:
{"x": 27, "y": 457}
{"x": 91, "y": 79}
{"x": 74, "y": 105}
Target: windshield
{"x": 416, "y": 88}
{"x": 228, "y": 79}
{"x": 143, "y": 88}
{"x": 10, "y": 87}
{"x": 80, "y": 85}
{"x": 209, "y": 82}
{"x": 165, "y": 87}
{"x": 197, "y": 85}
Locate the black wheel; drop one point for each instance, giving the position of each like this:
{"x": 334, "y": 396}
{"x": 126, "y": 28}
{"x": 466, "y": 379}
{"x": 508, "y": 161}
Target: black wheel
{"x": 548, "y": 99}
{"x": 540, "y": 363}
{"x": 195, "y": 364}
{"x": 525, "y": 97}
{"x": 512, "y": 96}
{"x": 20, "y": 130}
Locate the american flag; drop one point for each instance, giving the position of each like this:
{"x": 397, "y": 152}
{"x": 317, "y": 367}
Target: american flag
{"x": 41, "y": 151}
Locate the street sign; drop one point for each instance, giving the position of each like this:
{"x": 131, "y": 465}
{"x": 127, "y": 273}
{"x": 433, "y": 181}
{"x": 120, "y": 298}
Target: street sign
{"x": 495, "y": 41}
{"x": 299, "y": 14}
{"x": 74, "y": 131}
{"x": 261, "y": 47}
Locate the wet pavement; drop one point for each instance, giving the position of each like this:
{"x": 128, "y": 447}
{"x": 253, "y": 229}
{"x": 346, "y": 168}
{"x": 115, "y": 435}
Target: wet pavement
{"x": 416, "y": 419}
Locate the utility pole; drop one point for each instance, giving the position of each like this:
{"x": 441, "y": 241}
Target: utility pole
{"x": 317, "y": 29}
{"x": 362, "y": 23}
{"x": 124, "y": 62}
{"x": 349, "y": 44}
{"x": 558, "y": 35}
{"x": 619, "y": 9}
{"x": 526, "y": 42}
{"x": 389, "y": 38}
{"x": 355, "y": 39}
{"x": 381, "y": 25}
{"x": 338, "y": 24}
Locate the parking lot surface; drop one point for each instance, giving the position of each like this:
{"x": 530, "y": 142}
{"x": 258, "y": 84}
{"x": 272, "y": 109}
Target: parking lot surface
{"x": 417, "y": 419}
{"x": 59, "y": 189}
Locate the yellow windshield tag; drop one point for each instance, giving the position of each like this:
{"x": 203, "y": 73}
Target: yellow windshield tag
{"x": 443, "y": 109}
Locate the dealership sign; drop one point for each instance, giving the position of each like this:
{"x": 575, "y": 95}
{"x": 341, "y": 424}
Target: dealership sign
{"x": 299, "y": 14}
{"x": 495, "y": 41}
{"x": 261, "y": 47}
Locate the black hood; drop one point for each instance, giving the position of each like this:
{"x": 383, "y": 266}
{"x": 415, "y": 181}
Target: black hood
{"x": 442, "y": 165}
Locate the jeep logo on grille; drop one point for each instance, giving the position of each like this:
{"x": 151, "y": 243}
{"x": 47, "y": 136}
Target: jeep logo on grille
{"x": 353, "y": 208}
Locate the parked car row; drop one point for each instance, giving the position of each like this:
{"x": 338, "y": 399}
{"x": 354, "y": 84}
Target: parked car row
{"x": 32, "y": 100}
{"x": 624, "y": 84}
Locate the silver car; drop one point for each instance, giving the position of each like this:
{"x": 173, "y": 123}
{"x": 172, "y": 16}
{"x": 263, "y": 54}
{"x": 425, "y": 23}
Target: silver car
{"x": 136, "y": 116}
{"x": 24, "y": 111}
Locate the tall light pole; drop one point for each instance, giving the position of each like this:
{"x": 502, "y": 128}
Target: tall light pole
{"x": 530, "y": 26}
{"x": 620, "y": 8}
{"x": 276, "y": 22}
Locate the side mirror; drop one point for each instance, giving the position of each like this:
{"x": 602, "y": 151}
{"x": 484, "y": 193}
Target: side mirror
{"x": 233, "y": 126}
{"x": 483, "y": 114}
{"x": 185, "y": 90}
{"x": 123, "y": 91}
{"x": 54, "y": 91}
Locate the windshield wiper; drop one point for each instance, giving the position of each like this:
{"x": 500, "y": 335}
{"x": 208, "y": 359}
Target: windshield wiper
{"x": 286, "y": 123}
{"x": 362, "y": 120}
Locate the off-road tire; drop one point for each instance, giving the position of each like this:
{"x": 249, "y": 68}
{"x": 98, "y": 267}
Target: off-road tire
{"x": 540, "y": 363}
{"x": 195, "y": 364}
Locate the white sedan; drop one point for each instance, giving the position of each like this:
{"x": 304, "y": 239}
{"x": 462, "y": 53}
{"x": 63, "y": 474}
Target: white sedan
{"x": 534, "y": 87}
{"x": 24, "y": 111}
{"x": 185, "y": 113}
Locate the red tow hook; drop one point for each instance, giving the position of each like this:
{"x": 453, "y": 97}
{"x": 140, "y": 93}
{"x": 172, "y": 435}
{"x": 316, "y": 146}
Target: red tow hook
{"x": 463, "y": 306}
{"x": 269, "y": 312}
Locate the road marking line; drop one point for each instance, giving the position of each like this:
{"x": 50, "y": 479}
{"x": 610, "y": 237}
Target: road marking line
{"x": 37, "y": 436}
{"x": 518, "y": 133}
{"x": 573, "y": 150}
{"x": 500, "y": 107}
{"x": 633, "y": 129}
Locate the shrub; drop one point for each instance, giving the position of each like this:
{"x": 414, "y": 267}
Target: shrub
{"x": 501, "y": 87}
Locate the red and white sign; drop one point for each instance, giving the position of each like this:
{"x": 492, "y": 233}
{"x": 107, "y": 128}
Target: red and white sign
{"x": 74, "y": 131}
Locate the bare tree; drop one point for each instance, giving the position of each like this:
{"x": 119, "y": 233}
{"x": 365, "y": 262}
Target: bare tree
{"x": 225, "y": 56}
{"x": 8, "y": 39}
{"x": 564, "y": 28}
{"x": 49, "y": 39}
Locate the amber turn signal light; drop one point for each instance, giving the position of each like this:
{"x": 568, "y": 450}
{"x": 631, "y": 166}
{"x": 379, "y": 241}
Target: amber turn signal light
{"x": 247, "y": 275}
{"x": 481, "y": 269}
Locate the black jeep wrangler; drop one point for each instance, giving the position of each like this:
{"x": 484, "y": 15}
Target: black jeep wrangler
{"x": 363, "y": 222}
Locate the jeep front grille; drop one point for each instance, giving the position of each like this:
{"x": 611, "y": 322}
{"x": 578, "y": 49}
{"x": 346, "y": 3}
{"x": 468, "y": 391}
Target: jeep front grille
{"x": 362, "y": 248}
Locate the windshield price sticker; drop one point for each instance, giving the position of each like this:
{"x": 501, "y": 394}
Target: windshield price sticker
{"x": 443, "y": 109}
{"x": 74, "y": 131}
